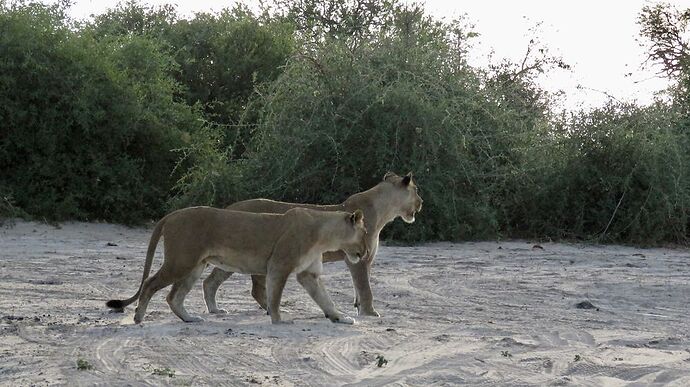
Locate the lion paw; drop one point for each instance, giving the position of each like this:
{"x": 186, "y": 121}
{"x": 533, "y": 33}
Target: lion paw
{"x": 344, "y": 320}
{"x": 218, "y": 311}
{"x": 368, "y": 312}
{"x": 193, "y": 319}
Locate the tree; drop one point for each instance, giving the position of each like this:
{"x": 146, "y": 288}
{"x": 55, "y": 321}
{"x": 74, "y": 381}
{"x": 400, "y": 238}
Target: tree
{"x": 666, "y": 29}
{"x": 86, "y": 127}
{"x": 220, "y": 57}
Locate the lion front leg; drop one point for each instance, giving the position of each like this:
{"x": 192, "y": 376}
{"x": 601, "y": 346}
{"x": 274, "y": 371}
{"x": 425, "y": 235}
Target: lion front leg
{"x": 364, "y": 300}
{"x": 314, "y": 286}
{"x": 275, "y": 283}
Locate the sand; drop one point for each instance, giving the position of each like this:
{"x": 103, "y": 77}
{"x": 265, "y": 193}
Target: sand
{"x": 486, "y": 313}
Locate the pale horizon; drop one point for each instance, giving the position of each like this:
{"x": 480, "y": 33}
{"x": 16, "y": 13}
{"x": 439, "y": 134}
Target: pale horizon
{"x": 598, "y": 39}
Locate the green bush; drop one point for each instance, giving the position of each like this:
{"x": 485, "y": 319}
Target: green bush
{"x": 402, "y": 100}
{"x": 87, "y": 127}
{"x": 618, "y": 173}
{"x": 141, "y": 111}
{"x": 210, "y": 175}
{"x": 220, "y": 56}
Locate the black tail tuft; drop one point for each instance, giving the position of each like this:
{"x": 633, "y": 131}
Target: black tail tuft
{"x": 115, "y": 304}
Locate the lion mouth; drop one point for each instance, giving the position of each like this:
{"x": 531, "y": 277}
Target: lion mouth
{"x": 410, "y": 216}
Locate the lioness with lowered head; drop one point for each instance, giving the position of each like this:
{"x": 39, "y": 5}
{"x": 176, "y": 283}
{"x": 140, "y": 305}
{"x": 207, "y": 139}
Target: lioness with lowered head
{"x": 394, "y": 197}
{"x": 271, "y": 245}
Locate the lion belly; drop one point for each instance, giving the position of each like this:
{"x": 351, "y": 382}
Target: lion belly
{"x": 237, "y": 263}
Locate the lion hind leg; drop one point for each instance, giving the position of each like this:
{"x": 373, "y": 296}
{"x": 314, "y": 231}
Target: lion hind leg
{"x": 211, "y": 285}
{"x": 180, "y": 290}
{"x": 259, "y": 290}
{"x": 152, "y": 284}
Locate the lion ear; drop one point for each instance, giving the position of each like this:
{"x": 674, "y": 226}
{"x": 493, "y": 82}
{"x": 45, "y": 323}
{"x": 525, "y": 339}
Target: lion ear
{"x": 407, "y": 179}
{"x": 388, "y": 175}
{"x": 356, "y": 216}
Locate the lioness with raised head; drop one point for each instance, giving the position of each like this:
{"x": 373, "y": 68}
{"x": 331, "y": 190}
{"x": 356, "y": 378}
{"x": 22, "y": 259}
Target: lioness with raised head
{"x": 270, "y": 245}
{"x": 394, "y": 197}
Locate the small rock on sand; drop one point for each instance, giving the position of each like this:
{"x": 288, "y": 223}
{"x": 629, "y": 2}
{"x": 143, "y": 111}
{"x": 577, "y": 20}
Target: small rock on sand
{"x": 585, "y": 305}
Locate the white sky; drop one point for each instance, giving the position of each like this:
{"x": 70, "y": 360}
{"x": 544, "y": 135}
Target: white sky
{"x": 596, "y": 37}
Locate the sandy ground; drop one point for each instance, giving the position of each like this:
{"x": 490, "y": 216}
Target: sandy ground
{"x": 489, "y": 313}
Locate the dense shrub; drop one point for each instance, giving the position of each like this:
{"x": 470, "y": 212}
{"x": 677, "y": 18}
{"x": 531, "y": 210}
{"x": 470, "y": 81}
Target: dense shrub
{"x": 141, "y": 111}
{"x": 220, "y": 56}
{"x": 86, "y": 128}
{"x": 618, "y": 173}
{"x": 211, "y": 176}
{"x": 402, "y": 100}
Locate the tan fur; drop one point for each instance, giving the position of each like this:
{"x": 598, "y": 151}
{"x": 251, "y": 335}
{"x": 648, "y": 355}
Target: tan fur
{"x": 394, "y": 197}
{"x": 271, "y": 245}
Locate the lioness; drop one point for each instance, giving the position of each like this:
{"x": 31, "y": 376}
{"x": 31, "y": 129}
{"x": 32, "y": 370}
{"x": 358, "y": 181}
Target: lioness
{"x": 394, "y": 197}
{"x": 270, "y": 245}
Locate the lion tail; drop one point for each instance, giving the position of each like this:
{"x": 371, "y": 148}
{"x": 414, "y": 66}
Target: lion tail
{"x": 155, "y": 237}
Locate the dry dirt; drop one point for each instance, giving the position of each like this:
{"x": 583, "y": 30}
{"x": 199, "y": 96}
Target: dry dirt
{"x": 488, "y": 313}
